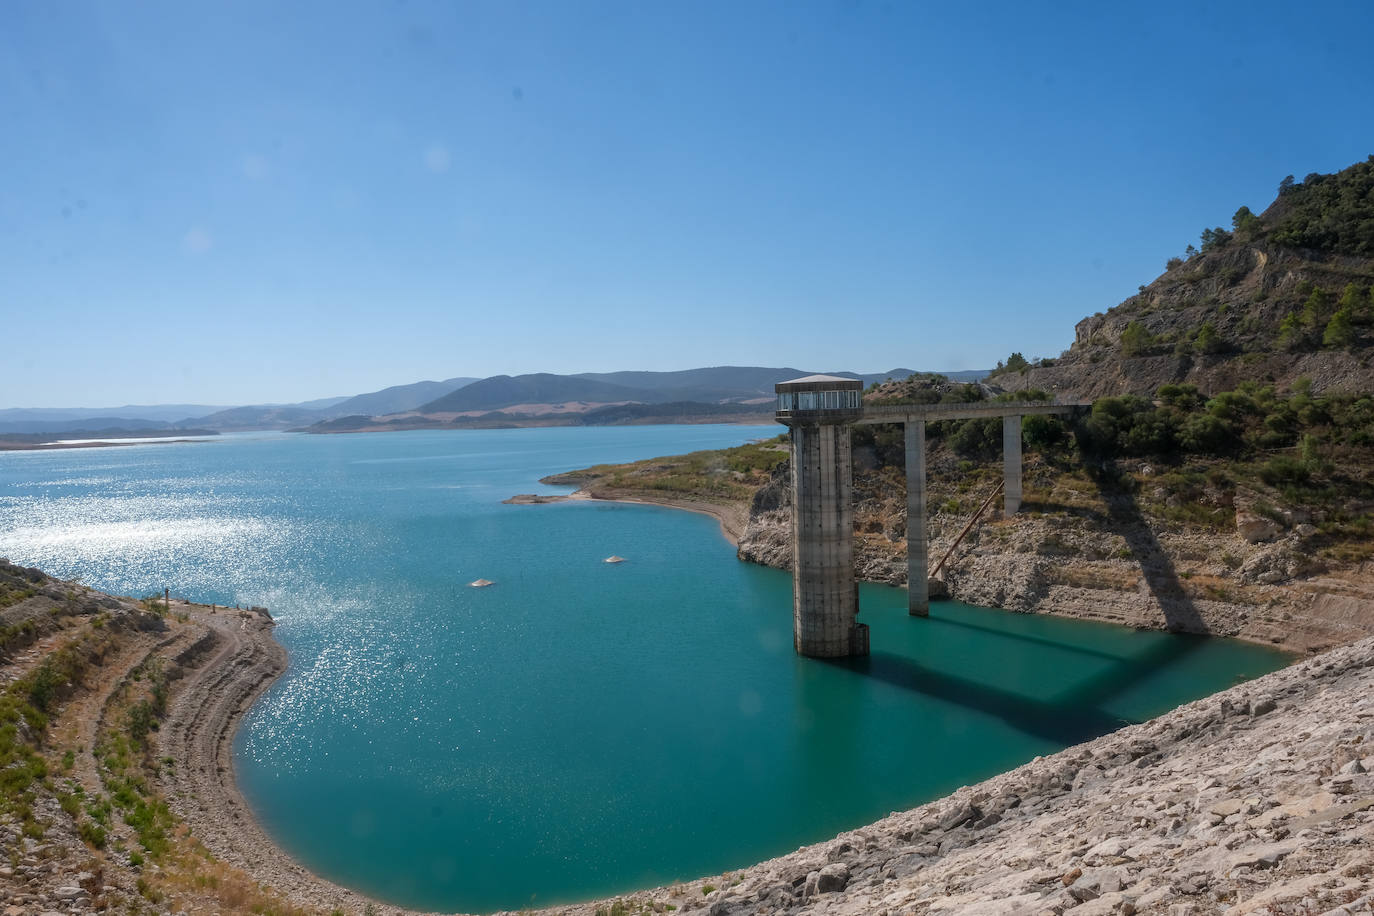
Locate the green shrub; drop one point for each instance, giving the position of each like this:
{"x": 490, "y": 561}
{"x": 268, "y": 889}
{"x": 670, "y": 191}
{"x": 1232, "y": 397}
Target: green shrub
{"x": 1135, "y": 340}
{"x": 1044, "y": 433}
{"x": 977, "y": 438}
{"x": 1340, "y": 330}
{"x": 92, "y": 834}
{"x": 1282, "y": 471}
{"x": 1208, "y": 340}
{"x": 1183, "y": 397}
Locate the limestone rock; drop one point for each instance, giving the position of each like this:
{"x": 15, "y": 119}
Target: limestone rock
{"x": 832, "y": 877}
{"x": 1256, "y": 528}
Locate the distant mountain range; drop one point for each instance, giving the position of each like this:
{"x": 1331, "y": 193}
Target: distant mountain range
{"x": 710, "y": 395}
{"x": 716, "y": 385}
{"x": 396, "y": 399}
{"x": 400, "y": 398}
{"x": 700, "y": 393}
{"x": 58, "y": 419}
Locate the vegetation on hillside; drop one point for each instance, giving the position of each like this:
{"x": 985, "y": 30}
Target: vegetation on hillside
{"x": 1322, "y": 215}
{"x": 975, "y": 438}
{"x": 1265, "y": 299}
{"x": 1331, "y": 213}
{"x": 123, "y": 821}
{"x": 25, "y": 708}
{"x": 1302, "y": 450}
{"x": 18, "y": 584}
{"x": 1018, "y": 365}
{"x": 724, "y": 475}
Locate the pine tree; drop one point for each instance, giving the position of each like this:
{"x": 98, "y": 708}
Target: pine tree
{"x": 1291, "y": 331}
{"x": 1135, "y": 340}
{"x": 1340, "y": 330}
{"x": 1208, "y": 340}
{"x": 1314, "y": 309}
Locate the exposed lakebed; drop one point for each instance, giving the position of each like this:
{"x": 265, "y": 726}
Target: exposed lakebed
{"x": 578, "y": 728}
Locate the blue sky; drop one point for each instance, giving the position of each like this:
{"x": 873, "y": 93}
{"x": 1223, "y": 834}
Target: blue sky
{"x": 257, "y": 201}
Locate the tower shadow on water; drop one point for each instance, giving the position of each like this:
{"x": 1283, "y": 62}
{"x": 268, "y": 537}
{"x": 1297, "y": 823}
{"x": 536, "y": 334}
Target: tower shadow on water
{"x": 1079, "y": 712}
{"x": 1052, "y": 721}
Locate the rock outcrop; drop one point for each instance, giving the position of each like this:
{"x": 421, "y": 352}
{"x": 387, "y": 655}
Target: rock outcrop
{"x": 1107, "y": 560}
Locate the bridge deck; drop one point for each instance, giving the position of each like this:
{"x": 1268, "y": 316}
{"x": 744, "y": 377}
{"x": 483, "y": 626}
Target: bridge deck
{"x": 908, "y": 413}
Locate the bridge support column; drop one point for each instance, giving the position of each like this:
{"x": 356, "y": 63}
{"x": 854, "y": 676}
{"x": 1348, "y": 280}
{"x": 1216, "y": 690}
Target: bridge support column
{"x": 917, "y": 544}
{"x": 1011, "y": 464}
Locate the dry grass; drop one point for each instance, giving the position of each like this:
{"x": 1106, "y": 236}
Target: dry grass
{"x": 193, "y": 880}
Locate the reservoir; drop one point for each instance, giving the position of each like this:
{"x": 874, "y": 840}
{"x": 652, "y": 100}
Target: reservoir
{"x": 578, "y": 728}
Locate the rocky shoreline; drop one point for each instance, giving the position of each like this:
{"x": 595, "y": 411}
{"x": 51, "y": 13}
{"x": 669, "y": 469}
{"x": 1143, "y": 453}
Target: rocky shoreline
{"x": 225, "y": 671}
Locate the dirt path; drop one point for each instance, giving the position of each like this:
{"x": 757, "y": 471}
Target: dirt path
{"x": 81, "y": 720}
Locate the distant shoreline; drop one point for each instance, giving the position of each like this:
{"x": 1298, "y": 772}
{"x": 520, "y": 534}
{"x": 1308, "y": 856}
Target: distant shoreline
{"x": 11, "y": 446}
{"x": 545, "y": 421}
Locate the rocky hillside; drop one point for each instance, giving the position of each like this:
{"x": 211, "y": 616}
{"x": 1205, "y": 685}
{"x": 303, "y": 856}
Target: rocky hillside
{"x": 1280, "y": 296}
{"x": 115, "y": 721}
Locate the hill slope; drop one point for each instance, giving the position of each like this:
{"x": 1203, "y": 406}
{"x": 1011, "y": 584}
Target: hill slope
{"x": 399, "y": 398}
{"x": 537, "y": 388}
{"x": 1281, "y": 296}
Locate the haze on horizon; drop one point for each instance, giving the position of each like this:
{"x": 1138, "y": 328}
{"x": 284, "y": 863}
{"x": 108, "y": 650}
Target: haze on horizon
{"x": 243, "y": 203}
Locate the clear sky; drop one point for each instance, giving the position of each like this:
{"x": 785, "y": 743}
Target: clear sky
{"x": 264, "y": 201}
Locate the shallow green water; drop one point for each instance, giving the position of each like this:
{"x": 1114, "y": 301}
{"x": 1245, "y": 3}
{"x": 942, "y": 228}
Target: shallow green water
{"x": 579, "y": 728}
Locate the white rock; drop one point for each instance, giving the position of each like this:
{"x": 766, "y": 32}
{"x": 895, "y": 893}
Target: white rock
{"x": 1256, "y": 528}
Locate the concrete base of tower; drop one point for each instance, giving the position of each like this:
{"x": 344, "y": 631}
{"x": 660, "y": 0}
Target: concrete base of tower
{"x": 855, "y": 643}
{"x": 858, "y": 639}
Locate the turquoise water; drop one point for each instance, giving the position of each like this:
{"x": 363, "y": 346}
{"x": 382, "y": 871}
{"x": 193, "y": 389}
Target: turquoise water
{"x": 579, "y": 728}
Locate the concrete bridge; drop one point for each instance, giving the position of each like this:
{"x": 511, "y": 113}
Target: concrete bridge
{"x": 820, "y": 411}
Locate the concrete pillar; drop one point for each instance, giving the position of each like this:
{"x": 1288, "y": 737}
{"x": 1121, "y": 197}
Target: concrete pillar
{"x": 824, "y": 596}
{"x": 917, "y": 544}
{"x": 1011, "y": 465}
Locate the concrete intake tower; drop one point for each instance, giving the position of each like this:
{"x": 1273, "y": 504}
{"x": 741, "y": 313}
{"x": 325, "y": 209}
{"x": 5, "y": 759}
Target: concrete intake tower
{"x": 820, "y": 410}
